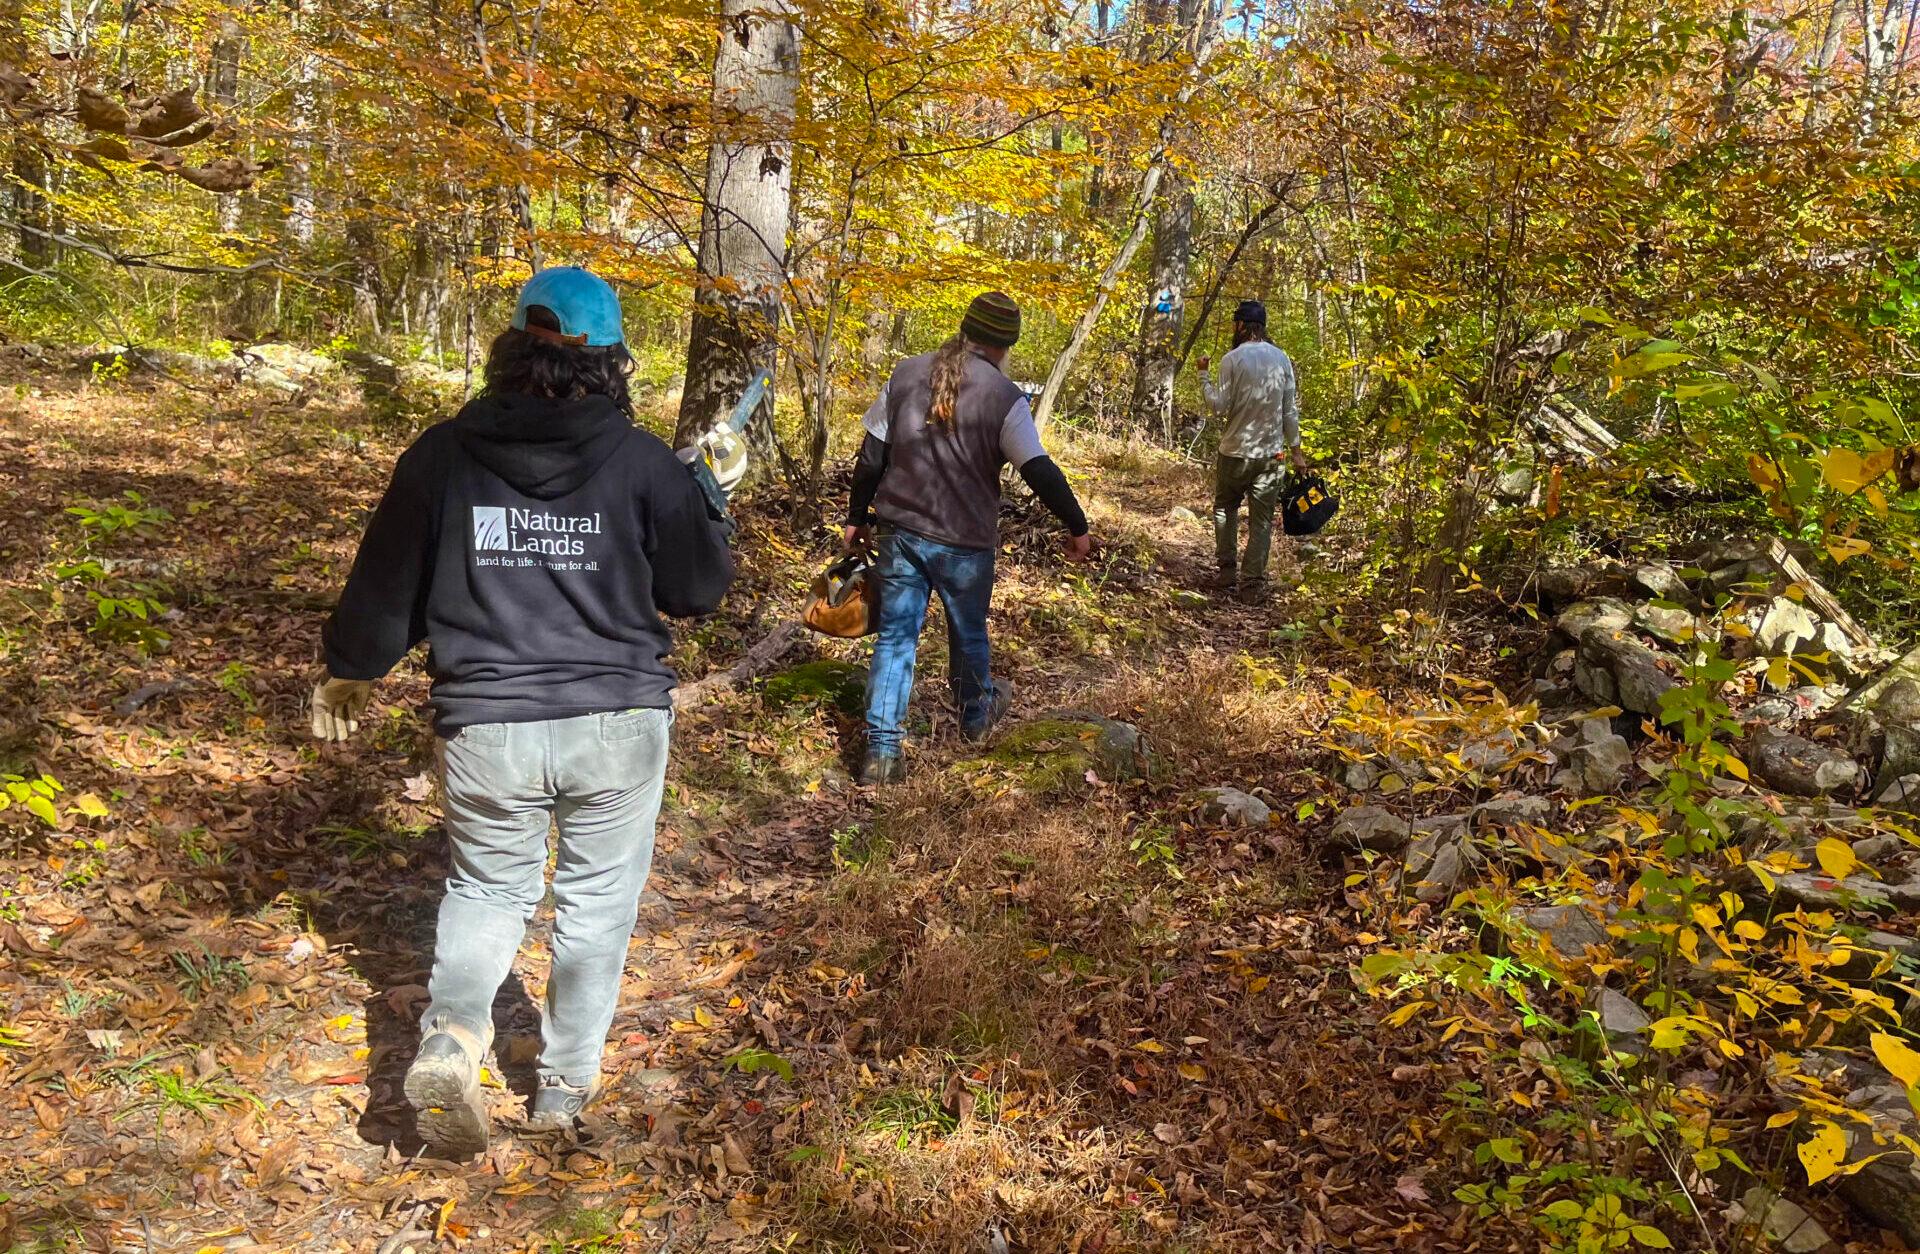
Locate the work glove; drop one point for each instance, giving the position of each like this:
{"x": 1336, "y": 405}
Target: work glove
{"x": 338, "y": 705}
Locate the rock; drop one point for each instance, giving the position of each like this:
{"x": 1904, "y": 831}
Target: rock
{"x": 1661, "y": 581}
{"x": 1373, "y": 828}
{"x": 1881, "y": 846}
{"x": 1561, "y": 585}
{"x": 1784, "y": 1224}
{"x": 1864, "y": 958}
{"x": 824, "y": 682}
{"x": 1443, "y": 874}
{"x": 1569, "y": 929}
{"x": 1361, "y": 776}
{"x": 1899, "y": 702}
{"x": 1514, "y": 484}
{"x": 1181, "y": 513}
{"x": 1233, "y": 808}
{"x": 1802, "y": 703}
{"x": 1900, "y": 752}
{"x": 1599, "y": 758}
{"x": 1614, "y": 671}
{"x": 1605, "y": 612}
{"x": 1812, "y": 890}
{"x": 283, "y": 367}
{"x": 1900, "y": 794}
{"x": 1886, "y": 1190}
{"x": 1799, "y": 767}
{"x": 1664, "y": 622}
{"x": 1512, "y": 812}
{"x": 1832, "y": 640}
{"x": 1786, "y": 628}
{"x": 1620, "y": 1019}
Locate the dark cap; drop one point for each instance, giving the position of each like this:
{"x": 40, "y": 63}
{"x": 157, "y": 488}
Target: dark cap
{"x": 992, "y": 319}
{"x": 1251, "y": 312}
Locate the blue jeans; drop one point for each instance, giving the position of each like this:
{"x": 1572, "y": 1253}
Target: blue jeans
{"x": 910, "y": 569}
{"x": 599, "y": 777}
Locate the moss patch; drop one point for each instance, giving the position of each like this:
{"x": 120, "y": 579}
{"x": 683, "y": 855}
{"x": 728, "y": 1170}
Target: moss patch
{"x": 827, "y": 682}
{"x": 1053, "y": 755}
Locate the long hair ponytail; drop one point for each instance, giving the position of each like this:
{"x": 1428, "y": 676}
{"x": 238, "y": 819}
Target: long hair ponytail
{"x": 949, "y": 367}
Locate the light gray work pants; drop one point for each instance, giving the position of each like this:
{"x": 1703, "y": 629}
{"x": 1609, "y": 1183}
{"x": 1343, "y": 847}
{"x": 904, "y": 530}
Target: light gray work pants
{"x": 599, "y": 778}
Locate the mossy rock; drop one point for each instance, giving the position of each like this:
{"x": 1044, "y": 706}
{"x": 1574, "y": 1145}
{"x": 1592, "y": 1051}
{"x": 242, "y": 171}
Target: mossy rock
{"x": 1054, "y": 754}
{"x": 826, "y": 682}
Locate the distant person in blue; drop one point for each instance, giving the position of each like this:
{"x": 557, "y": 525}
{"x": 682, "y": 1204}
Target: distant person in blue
{"x": 534, "y": 542}
{"x": 1259, "y": 398}
{"x": 927, "y": 484}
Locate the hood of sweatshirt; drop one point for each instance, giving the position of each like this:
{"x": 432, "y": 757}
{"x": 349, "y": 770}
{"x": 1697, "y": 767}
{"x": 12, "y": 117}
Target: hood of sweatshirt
{"x": 543, "y": 447}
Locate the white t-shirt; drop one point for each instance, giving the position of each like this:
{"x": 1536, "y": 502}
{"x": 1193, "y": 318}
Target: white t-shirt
{"x": 1259, "y": 398}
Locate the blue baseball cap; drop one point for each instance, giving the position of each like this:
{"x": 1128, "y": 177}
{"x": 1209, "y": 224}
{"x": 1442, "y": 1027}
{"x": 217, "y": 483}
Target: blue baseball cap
{"x": 588, "y": 311}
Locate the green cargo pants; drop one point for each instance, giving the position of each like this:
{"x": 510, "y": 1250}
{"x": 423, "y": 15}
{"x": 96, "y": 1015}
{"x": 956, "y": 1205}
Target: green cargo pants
{"x": 1257, "y": 480}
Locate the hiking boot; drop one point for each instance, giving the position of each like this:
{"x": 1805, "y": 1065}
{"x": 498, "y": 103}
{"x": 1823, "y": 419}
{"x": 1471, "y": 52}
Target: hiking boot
{"x": 1226, "y": 577}
{"x": 1253, "y": 592}
{"x": 557, "y": 1104}
{"x": 996, "y": 710}
{"x": 881, "y": 769}
{"x": 443, "y": 1086}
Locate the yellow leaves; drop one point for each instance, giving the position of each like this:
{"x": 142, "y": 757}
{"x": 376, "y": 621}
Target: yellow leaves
{"x": 1847, "y": 472}
{"x": 1192, "y": 1071}
{"x": 1151, "y": 1047}
{"x": 1404, "y": 1014}
{"x": 1836, "y": 858}
{"x": 1823, "y": 1152}
{"x": 1843, "y": 548}
{"x": 703, "y": 1021}
{"x": 1894, "y": 1054}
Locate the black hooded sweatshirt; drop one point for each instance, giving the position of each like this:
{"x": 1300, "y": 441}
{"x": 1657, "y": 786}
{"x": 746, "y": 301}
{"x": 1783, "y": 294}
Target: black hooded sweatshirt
{"x": 534, "y": 544}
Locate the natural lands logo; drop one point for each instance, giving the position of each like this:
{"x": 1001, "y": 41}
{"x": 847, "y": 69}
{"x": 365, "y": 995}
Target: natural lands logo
{"x": 489, "y": 528}
{"x": 534, "y": 533}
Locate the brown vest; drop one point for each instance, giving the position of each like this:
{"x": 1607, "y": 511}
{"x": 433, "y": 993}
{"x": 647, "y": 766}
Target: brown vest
{"x": 944, "y": 482}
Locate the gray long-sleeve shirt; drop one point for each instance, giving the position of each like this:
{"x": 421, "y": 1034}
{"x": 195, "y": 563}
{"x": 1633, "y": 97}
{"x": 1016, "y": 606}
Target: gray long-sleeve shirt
{"x": 1257, "y": 394}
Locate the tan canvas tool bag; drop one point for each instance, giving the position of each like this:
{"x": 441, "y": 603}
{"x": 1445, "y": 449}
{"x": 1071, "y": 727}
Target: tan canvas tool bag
{"x": 844, "y": 601}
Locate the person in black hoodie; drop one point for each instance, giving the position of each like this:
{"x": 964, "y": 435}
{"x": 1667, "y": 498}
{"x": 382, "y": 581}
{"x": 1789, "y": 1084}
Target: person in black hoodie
{"x": 534, "y": 542}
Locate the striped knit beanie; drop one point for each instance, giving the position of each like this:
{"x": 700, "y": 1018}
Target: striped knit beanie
{"x": 992, "y": 319}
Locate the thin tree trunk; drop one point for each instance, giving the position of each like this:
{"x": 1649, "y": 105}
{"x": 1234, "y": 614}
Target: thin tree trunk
{"x": 1149, "y": 191}
{"x": 1163, "y": 313}
{"x": 1201, "y": 42}
{"x": 223, "y": 90}
{"x": 744, "y": 217}
{"x": 301, "y": 204}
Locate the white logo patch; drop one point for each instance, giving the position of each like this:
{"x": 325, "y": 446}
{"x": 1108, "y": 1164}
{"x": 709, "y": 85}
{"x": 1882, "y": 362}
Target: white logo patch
{"x": 489, "y": 528}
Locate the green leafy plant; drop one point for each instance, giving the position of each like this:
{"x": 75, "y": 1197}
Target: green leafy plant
{"x": 753, "y": 1060}
{"x": 209, "y": 973}
{"x": 104, "y": 522}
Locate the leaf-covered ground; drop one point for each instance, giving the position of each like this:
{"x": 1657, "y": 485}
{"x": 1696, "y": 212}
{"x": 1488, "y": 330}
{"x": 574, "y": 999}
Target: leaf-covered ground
{"x": 1004, "y": 1007}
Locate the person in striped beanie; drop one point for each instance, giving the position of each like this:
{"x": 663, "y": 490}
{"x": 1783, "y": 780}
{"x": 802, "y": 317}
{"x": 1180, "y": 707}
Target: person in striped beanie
{"x": 928, "y": 478}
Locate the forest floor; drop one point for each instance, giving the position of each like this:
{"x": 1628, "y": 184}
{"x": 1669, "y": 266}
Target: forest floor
{"x": 1002, "y": 1007}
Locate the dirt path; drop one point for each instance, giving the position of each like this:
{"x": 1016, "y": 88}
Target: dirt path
{"x": 1074, "y": 1018}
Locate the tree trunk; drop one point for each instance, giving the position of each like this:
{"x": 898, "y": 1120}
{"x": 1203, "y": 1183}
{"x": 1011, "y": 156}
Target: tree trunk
{"x": 744, "y": 217}
{"x": 301, "y": 206}
{"x": 223, "y": 90}
{"x": 28, "y": 195}
{"x": 1164, "y": 312}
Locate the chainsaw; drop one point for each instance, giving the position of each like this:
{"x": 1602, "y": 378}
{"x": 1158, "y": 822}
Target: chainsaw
{"x": 718, "y": 459}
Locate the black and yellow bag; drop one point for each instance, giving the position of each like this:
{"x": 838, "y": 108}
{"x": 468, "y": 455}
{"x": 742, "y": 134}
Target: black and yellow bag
{"x": 1306, "y": 505}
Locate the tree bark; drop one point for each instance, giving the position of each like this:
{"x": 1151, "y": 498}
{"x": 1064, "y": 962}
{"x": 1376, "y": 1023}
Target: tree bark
{"x": 1164, "y": 313}
{"x": 744, "y": 217}
{"x": 223, "y": 90}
